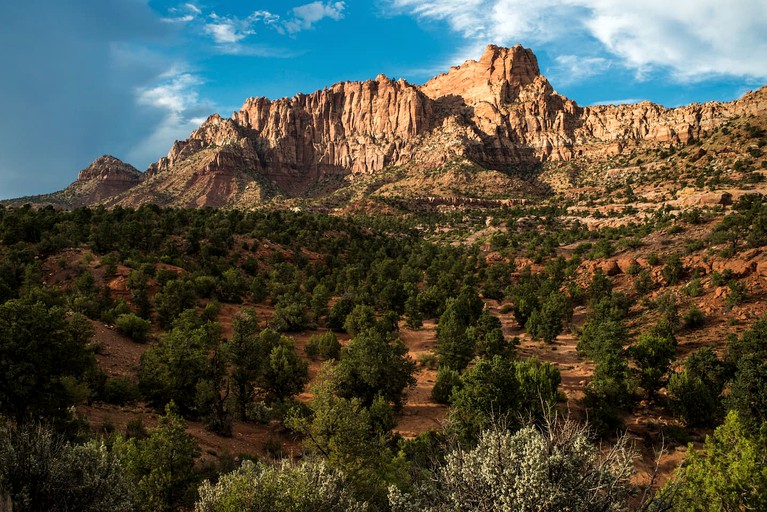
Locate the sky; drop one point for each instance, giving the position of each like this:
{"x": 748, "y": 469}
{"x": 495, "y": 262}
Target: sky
{"x": 83, "y": 78}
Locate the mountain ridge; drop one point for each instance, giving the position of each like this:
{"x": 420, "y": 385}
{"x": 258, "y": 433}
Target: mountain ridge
{"x": 498, "y": 113}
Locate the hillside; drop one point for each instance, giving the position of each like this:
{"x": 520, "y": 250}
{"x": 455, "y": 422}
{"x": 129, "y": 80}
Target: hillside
{"x": 394, "y": 278}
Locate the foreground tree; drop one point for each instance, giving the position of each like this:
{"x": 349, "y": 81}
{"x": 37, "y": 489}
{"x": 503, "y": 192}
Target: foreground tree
{"x": 161, "y": 467}
{"x": 729, "y": 474}
{"x": 44, "y": 357}
{"x": 352, "y": 438}
{"x": 39, "y": 471}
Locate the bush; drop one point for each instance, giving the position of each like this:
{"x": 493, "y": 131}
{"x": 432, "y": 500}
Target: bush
{"x": 360, "y": 319}
{"x": 120, "y": 390}
{"x": 694, "y": 318}
{"x": 373, "y": 365}
{"x": 447, "y": 381}
{"x": 694, "y": 288}
{"x": 307, "y": 487}
{"x": 133, "y": 326}
{"x": 652, "y": 354}
{"x": 289, "y": 317}
{"x": 160, "y": 468}
{"x": 550, "y": 470}
{"x": 738, "y": 293}
{"x": 504, "y": 389}
{"x": 695, "y": 391}
{"x": 40, "y": 471}
{"x": 546, "y": 323}
{"x": 673, "y": 271}
{"x": 325, "y": 346}
{"x": 339, "y": 312}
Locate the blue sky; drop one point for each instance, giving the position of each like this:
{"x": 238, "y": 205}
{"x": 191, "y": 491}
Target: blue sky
{"x": 128, "y": 77}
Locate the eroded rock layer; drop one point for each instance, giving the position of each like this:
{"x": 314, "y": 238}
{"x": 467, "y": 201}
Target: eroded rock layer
{"x": 498, "y": 112}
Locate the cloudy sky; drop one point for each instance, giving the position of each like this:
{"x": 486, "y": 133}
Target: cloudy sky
{"x": 128, "y": 77}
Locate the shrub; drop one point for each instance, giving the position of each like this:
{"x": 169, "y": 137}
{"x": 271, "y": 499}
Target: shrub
{"x": 40, "y": 471}
{"x": 694, "y": 318}
{"x": 161, "y": 467}
{"x": 290, "y": 317}
{"x": 447, "y": 381}
{"x": 325, "y": 346}
{"x": 373, "y": 365}
{"x": 502, "y": 388}
{"x": 133, "y": 326}
{"x": 652, "y": 354}
{"x": 673, "y": 271}
{"x": 695, "y": 391}
{"x": 307, "y": 487}
{"x": 339, "y": 312}
{"x": 738, "y": 293}
{"x": 285, "y": 374}
{"x": 360, "y": 319}
{"x": 550, "y": 470}
{"x": 119, "y": 391}
{"x": 694, "y": 288}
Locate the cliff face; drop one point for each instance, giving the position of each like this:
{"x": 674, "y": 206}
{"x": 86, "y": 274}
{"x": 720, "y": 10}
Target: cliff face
{"x": 498, "y": 112}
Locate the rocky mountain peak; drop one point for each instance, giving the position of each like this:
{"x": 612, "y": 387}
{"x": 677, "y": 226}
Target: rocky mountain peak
{"x": 496, "y": 77}
{"x": 109, "y": 168}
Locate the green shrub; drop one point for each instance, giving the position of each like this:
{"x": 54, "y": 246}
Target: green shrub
{"x": 694, "y": 318}
{"x": 738, "y": 293}
{"x": 325, "y": 346}
{"x": 119, "y": 391}
{"x": 133, "y": 326}
{"x": 306, "y": 487}
{"x": 652, "y": 354}
{"x": 447, "y": 381}
{"x": 673, "y": 271}
{"x": 695, "y": 391}
{"x": 694, "y": 288}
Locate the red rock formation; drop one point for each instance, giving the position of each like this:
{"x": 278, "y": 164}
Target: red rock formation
{"x": 498, "y": 112}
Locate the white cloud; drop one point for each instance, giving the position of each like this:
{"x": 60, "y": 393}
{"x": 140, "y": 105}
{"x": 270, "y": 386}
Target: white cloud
{"x": 692, "y": 39}
{"x": 265, "y": 17}
{"x": 177, "y": 99}
{"x": 305, "y": 16}
{"x": 227, "y": 30}
{"x": 625, "y": 101}
{"x": 572, "y": 69}
{"x": 174, "y": 94}
{"x": 182, "y": 14}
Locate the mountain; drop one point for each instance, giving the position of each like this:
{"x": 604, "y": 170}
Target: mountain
{"x": 106, "y": 177}
{"x": 483, "y": 129}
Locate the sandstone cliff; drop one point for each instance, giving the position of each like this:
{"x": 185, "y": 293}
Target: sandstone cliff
{"x": 498, "y": 112}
